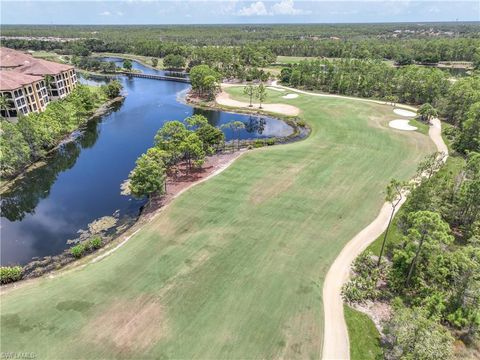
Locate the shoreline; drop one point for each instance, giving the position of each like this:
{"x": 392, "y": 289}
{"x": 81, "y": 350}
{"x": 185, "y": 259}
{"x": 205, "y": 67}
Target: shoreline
{"x": 300, "y": 132}
{"x": 176, "y": 185}
{"x": 102, "y": 110}
{"x": 39, "y": 267}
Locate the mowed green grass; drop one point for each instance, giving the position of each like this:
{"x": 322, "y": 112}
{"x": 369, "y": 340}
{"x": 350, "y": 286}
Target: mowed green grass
{"x": 234, "y": 267}
{"x": 363, "y": 335}
{"x": 292, "y": 59}
{"x": 145, "y": 60}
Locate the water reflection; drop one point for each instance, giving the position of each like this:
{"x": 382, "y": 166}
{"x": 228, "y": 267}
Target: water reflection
{"x": 80, "y": 182}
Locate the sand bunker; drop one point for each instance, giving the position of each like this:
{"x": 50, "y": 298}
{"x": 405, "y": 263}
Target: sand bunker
{"x": 224, "y": 99}
{"x": 275, "y": 88}
{"x": 401, "y": 125}
{"x": 405, "y": 113}
{"x": 290, "y": 96}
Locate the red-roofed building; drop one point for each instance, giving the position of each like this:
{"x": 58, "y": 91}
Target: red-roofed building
{"x": 30, "y": 83}
{"x": 61, "y": 78}
{"x": 24, "y": 93}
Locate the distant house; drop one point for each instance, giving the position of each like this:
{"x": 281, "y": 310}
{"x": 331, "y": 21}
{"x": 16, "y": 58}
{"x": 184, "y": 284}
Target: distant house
{"x": 28, "y": 84}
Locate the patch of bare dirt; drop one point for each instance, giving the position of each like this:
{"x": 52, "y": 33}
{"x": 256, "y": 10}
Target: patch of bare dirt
{"x": 378, "y": 311}
{"x": 129, "y": 325}
{"x": 263, "y": 191}
{"x": 181, "y": 179}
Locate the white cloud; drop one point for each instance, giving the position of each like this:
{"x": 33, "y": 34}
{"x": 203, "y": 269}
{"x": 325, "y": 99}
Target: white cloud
{"x": 287, "y": 7}
{"x": 283, "y": 7}
{"x": 255, "y": 9}
{"x": 106, "y": 13}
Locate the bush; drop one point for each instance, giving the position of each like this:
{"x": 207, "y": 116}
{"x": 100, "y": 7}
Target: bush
{"x": 95, "y": 243}
{"x": 258, "y": 143}
{"x": 271, "y": 141}
{"x": 301, "y": 123}
{"x": 78, "y": 250}
{"x": 363, "y": 285}
{"x": 10, "y": 274}
{"x": 112, "y": 89}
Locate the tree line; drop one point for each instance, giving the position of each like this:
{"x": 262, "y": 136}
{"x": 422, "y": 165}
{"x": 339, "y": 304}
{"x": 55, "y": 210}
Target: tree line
{"x": 368, "y": 78}
{"x": 420, "y": 42}
{"x": 35, "y": 134}
{"x": 431, "y": 269}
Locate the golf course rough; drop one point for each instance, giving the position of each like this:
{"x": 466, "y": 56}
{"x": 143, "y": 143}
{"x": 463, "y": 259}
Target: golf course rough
{"x": 234, "y": 267}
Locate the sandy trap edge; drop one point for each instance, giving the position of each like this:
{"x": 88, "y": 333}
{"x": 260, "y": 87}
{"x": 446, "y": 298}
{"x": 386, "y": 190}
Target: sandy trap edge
{"x": 401, "y": 124}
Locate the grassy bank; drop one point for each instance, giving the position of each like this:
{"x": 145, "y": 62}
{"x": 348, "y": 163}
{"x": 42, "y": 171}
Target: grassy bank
{"x": 234, "y": 267}
{"x": 363, "y": 335}
{"x": 33, "y": 136}
{"x": 144, "y": 60}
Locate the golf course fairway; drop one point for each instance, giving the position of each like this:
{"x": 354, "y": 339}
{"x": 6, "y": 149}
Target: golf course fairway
{"x": 234, "y": 267}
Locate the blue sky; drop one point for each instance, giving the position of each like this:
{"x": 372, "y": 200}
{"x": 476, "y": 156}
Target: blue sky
{"x": 234, "y": 11}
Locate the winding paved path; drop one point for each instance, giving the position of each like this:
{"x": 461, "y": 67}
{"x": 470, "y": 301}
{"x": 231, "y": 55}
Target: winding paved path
{"x": 335, "y": 339}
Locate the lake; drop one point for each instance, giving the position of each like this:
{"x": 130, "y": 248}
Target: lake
{"x": 81, "y": 181}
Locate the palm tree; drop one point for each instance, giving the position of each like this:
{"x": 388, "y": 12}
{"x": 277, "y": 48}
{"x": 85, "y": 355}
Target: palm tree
{"x": 250, "y": 91}
{"x": 261, "y": 94}
{"x": 5, "y": 105}
{"x": 48, "y": 84}
{"x": 236, "y": 126}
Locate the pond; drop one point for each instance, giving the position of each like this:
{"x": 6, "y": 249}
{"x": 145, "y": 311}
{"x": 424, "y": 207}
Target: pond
{"x": 81, "y": 182}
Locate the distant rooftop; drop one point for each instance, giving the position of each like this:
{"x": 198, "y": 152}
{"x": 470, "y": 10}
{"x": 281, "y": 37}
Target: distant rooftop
{"x": 42, "y": 67}
{"x": 27, "y": 64}
{"x": 10, "y": 58}
{"x": 11, "y": 80}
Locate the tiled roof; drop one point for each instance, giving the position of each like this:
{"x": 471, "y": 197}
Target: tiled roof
{"x": 11, "y": 80}
{"x": 12, "y": 58}
{"x": 27, "y": 64}
{"x": 42, "y": 67}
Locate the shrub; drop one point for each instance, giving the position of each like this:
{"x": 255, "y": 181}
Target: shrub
{"x": 301, "y": 123}
{"x": 258, "y": 143}
{"x": 78, "y": 250}
{"x": 363, "y": 285}
{"x": 95, "y": 243}
{"x": 271, "y": 141}
{"x": 10, "y": 274}
{"x": 112, "y": 89}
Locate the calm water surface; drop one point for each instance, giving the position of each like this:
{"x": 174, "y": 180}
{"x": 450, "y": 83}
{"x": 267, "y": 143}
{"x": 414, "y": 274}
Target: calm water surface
{"x": 81, "y": 181}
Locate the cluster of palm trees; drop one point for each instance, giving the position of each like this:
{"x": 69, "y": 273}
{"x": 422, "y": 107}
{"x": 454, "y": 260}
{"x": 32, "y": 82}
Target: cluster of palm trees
{"x": 259, "y": 92}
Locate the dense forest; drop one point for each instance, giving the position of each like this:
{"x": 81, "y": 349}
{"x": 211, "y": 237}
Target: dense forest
{"x": 456, "y": 102}
{"x": 430, "y": 273}
{"x": 404, "y": 43}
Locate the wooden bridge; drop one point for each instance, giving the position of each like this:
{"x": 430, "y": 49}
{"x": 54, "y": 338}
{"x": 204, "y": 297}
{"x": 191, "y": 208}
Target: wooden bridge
{"x": 157, "y": 77}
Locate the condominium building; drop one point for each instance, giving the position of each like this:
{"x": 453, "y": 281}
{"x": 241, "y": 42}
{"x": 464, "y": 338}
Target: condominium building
{"x": 28, "y": 84}
{"x": 23, "y": 93}
{"x": 61, "y": 79}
